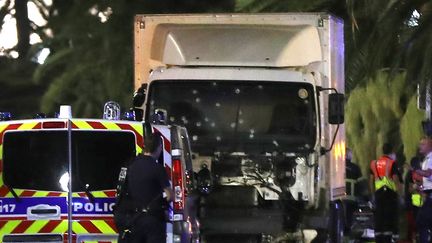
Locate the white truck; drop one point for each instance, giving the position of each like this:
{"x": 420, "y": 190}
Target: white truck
{"x": 261, "y": 98}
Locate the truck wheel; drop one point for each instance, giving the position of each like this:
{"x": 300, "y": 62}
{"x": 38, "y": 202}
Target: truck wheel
{"x": 336, "y": 226}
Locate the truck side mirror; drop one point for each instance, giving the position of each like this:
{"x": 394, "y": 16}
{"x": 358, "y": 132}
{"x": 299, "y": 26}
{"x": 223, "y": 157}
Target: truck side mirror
{"x": 138, "y": 102}
{"x": 139, "y": 96}
{"x": 336, "y": 108}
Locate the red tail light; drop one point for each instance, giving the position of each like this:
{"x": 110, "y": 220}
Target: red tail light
{"x": 178, "y": 185}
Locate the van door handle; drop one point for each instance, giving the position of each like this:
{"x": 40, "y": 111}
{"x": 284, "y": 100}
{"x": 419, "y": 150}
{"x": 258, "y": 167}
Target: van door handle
{"x": 43, "y": 211}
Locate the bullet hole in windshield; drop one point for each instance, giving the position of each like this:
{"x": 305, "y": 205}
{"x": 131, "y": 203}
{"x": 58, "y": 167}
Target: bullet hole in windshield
{"x": 303, "y": 94}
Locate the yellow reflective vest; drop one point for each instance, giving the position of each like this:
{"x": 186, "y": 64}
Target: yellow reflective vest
{"x": 382, "y": 171}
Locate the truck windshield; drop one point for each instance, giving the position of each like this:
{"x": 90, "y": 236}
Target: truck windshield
{"x": 38, "y": 160}
{"x": 239, "y": 116}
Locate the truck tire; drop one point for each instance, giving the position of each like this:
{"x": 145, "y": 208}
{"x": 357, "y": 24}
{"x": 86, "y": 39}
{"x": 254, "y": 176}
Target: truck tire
{"x": 336, "y": 224}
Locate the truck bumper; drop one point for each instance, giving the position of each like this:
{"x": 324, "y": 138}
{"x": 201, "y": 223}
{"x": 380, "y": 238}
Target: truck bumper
{"x": 243, "y": 221}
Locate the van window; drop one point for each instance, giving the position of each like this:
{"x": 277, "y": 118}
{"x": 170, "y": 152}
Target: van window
{"x": 35, "y": 160}
{"x": 38, "y": 160}
{"x": 98, "y": 157}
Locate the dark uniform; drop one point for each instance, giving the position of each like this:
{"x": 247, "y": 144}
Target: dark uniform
{"x": 146, "y": 180}
{"x": 353, "y": 174}
{"x": 386, "y": 199}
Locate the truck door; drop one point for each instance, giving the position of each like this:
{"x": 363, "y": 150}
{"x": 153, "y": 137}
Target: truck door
{"x": 34, "y": 175}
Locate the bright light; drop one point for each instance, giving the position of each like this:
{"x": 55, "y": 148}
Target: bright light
{"x": 339, "y": 150}
{"x": 414, "y": 20}
{"x": 34, "y": 15}
{"x": 64, "y": 182}
{"x": 102, "y": 14}
{"x": 42, "y": 55}
{"x": 14, "y": 54}
{"x": 8, "y": 34}
{"x": 35, "y": 38}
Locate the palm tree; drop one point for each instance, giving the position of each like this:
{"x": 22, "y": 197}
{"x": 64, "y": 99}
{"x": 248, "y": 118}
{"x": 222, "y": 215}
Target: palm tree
{"x": 379, "y": 34}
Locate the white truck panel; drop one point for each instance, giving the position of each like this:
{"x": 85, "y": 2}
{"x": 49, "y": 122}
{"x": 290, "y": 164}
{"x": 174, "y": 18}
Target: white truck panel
{"x": 281, "y": 38}
{"x": 282, "y": 75}
{"x": 256, "y": 45}
{"x": 333, "y": 68}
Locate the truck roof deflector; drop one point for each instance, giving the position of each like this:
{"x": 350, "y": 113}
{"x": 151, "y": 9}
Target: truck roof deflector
{"x": 254, "y": 45}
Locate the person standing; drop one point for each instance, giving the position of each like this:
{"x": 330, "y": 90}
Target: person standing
{"x": 385, "y": 184}
{"x": 424, "y": 215}
{"x": 145, "y": 182}
{"x": 413, "y": 198}
{"x": 353, "y": 175}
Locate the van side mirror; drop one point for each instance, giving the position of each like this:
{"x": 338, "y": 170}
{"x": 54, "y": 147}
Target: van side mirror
{"x": 336, "y": 103}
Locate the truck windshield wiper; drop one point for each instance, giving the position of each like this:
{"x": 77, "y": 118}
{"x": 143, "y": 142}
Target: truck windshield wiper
{"x": 14, "y": 194}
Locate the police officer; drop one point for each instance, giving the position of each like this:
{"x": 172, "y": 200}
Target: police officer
{"x": 424, "y": 215}
{"x": 385, "y": 183}
{"x": 146, "y": 180}
{"x": 353, "y": 175}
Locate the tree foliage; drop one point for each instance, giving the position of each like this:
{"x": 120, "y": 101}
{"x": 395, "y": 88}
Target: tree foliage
{"x": 389, "y": 34}
{"x": 411, "y": 129}
{"x": 18, "y": 94}
{"x": 383, "y": 111}
{"x": 92, "y": 60}
{"x": 378, "y": 34}
{"x": 25, "y": 27}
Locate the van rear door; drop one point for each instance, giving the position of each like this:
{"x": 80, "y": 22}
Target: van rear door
{"x": 99, "y": 149}
{"x": 34, "y": 181}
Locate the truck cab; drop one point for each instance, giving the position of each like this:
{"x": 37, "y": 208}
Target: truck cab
{"x": 46, "y": 163}
{"x": 260, "y": 95}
